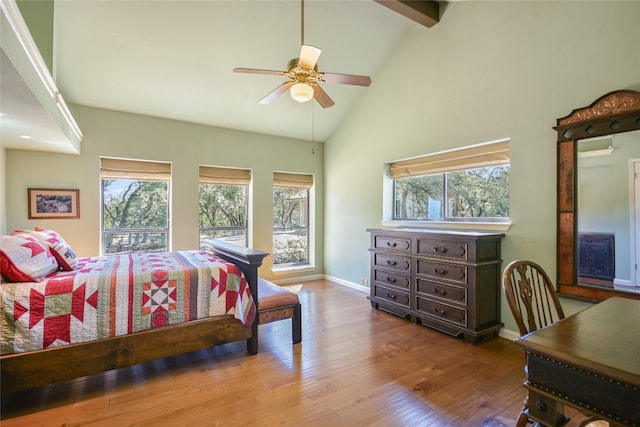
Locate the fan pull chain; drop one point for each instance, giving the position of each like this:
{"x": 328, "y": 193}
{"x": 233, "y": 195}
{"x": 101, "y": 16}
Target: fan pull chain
{"x": 301, "y": 22}
{"x": 313, "y": 125}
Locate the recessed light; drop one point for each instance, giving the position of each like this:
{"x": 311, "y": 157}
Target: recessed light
{"x": 25, "y": 136}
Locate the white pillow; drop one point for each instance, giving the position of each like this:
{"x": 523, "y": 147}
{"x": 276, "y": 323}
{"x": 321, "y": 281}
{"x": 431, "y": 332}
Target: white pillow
{"x": 24, "y": 259}
{"x": 64, "y": 254}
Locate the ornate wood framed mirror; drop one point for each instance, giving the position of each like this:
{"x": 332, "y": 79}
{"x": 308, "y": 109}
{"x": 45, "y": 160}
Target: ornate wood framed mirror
{"x": 614, "y": 113}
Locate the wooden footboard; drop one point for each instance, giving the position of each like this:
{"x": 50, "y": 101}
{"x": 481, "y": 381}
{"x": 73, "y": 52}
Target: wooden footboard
{"x": 22, "y": 371}
{"x": 249, "y": 260}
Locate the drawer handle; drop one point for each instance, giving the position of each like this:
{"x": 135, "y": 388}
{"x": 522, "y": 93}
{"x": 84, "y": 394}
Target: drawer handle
{"x": 440, "y": 271}
{"x": 392, "y": 244}
{"x": 440, "y": 250}
{"x": 391, "y": 296}
{"x": 439, "y": 291}
{"x": 391, "y": 279}
{"x": 541, "y": 406}
{"x": 392, "y": 262}
{"x": 442, "y": 312}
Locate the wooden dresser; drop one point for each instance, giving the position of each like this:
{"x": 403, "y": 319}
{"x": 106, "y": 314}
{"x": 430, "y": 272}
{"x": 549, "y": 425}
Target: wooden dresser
{"x": 596, "y": 255}
{"x": 449, "y": 281}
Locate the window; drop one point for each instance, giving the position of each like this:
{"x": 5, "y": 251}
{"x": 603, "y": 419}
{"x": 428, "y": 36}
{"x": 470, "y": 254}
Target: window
{"x": 223, "y": 206}
{"x": 471, "y": 184}
{"x": 291, "y": 219}
{"x": 135, "y": 206}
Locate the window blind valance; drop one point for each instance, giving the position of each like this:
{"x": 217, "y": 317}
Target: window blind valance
{"x": 292, "y": 180}
{"x": 477, "y": 156}
{"x": 224, "y": 176}
{"x": 111, "y": 168}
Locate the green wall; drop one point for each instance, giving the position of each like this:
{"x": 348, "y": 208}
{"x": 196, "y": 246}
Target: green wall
{"x": 38, "y": 14}
{"x": 3, "y": 190}
{"x": 487, "y": 70}
{"x": 186, "y": 146}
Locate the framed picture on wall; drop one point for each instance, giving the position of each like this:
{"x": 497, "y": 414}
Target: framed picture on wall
{"x": 48, "y": 203}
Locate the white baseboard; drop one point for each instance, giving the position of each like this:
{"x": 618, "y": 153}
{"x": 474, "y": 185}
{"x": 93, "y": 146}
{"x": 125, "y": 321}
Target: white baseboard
{"x": 620, "y": 282}
{"x": 504, "y": 333}
{"x": 347, "y": 283}
{"x": 510, "y": 335}
{"x": 286, "y": 281}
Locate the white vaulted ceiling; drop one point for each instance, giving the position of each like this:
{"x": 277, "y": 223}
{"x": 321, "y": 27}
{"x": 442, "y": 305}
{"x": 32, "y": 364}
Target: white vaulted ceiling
{"x": 175, "y": 59}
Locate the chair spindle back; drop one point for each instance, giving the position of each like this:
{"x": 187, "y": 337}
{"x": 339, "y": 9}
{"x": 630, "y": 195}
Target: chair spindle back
{"x": 531, "y": 296}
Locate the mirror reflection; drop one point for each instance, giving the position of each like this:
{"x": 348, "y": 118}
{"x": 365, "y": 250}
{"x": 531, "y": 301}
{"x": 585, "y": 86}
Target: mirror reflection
{"x": 608, "y": 211}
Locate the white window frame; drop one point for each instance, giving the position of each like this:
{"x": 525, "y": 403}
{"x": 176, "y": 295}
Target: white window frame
{"x": 221, "y": 175}
{"x": 134, "y": 170}
{"x": 388, "y": 201}
{"x": 310, "y": 264}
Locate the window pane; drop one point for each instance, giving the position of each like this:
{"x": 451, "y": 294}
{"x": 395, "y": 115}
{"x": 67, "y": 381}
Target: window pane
{"x": 135, "y": 204}
{"x": 479, "y": 193}
{"x": 471, "y": 193}
{"x": 135, "y": 215}
{"x": 124, "y": 243}
{"x": 419, "y": 197}
{"x": 223, "y": 213}
{"x": 290, "y": 225}
{"x": 290, "y": 246}
{"x": 237, "y": 236}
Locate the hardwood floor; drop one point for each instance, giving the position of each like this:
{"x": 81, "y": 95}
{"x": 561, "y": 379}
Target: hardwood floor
{"x": 355, "y": 367}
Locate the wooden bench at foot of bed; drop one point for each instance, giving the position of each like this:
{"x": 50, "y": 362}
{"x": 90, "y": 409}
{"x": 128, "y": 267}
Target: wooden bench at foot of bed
{"x": 21, "y": 371}
{"x": 277, "y": 303}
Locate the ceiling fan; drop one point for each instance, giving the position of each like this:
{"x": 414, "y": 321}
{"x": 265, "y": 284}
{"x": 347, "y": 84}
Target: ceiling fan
{"x": 304, "y": 77}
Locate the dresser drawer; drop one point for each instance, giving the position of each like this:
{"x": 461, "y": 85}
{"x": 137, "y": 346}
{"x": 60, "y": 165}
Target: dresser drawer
{"x": 396, "y": 297}
{"x": 438, "y": 270}
{"x": 455, "y": 294}
{"x": 442, "y": 311}
{"x": 392, "y": 243}
{"x": 448, "y": 280}
{"x": 392, "y": 279}
{"x": 392, "y": 261}
{"x": 443, "y": 249}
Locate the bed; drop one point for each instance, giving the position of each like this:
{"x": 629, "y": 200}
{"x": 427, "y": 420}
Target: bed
{"x": 121, "y": 310}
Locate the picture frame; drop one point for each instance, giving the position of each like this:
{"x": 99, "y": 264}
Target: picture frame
{"x": 50, "y": 203}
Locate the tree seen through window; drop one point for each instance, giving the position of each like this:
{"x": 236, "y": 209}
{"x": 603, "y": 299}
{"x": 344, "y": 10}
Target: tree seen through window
{"x": 290, "y": 225}
{"x": 135, "y": 216}
{"x": 223, "y": 213}
{"x": 469, "y": 193}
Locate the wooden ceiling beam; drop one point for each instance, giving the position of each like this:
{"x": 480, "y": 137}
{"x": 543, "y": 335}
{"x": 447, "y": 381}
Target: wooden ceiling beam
{"x": 425, "y": 12}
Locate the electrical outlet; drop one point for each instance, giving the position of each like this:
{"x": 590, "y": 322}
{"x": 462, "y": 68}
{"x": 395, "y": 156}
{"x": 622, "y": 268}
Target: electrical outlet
{"x": 364, "y": 282}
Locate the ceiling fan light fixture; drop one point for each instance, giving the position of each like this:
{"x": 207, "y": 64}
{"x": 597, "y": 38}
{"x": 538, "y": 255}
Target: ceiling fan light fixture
{"x": 304, "y": 78}
{"x": 301, "y": 92}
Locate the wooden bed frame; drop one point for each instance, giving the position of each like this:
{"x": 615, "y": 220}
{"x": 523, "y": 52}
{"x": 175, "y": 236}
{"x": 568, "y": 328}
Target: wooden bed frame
{"x": 21, "y": 371}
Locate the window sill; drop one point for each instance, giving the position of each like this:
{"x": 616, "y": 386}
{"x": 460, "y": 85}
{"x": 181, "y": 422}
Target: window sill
{"x": 452, "y": 225}
{"x": 293, "y": 269}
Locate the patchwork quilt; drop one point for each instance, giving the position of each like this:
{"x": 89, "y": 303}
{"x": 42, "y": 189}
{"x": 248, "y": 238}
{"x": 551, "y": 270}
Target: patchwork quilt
{"x": 118, "y": 295}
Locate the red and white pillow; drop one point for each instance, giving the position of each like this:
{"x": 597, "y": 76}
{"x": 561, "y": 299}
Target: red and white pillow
{"x": 63, "y": 253}
{"x": 25, "y": 259}
{"x": 67, "y": 258}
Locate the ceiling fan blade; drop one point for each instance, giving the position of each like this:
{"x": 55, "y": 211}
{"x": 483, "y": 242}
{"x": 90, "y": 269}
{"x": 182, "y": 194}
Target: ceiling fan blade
{"x": 259, "y": 71}
{"x": 309, "y": 56}
{"x": 321, "y": 96}
{"x": 271, "y": 96}
{"x": 346, "y": 79}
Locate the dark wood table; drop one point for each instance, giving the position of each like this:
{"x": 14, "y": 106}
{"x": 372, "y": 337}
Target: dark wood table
{"x": 590, "y": 361}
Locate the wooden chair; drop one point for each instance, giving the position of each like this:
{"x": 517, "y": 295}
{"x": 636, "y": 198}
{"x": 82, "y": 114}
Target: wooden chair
{"x": 277, "y": 303}
{"x": 531, "y": 296}
{"x": 534, "y": 304}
